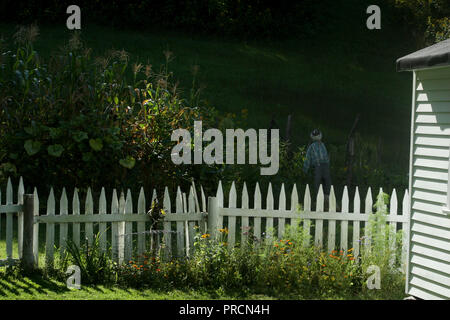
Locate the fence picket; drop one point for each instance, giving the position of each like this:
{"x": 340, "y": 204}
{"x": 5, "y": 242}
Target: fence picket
{"x": 405, "y": 234}
{"x": 141, "y": 225}
{"x": 102, "y": 225}
{"x": 167, "y": 224}
{"x": 368, "y": 210}
{"x": 20, "y": 193}
{"x": 282, "y": 207}
{"x": 121, "y": 230}
{"x": 203, "y": 199}
{"x": 318, "y": 237}
{"x": 35, "y": 228}
{"x": 9, "y": 222}
{"x": 114, "y": 227}
{"x": 269, "y": 206}
{"x": 344, "y": 224}
{"x": 307, "y": 222}
{"x": 257, "y": 205}
{"x": 294, "y": 204}
{"x": 76, "y": 211}
{"x": 191, "y": 224}
{"x": 89, "y": 210}
{"x": 219, "y": 196}
{"x": 63, "y": 227}
{"x": 356, "y": 225}
{"x": 180, "y": 224}
{"x": 332, "y": 223}
{"x": 128, "y": 228}
{"x": 232, "y": 202}
{"x": 50, "y": 231}
{"x": 245, "y": 220}
{"x": 155, "y": 236}
{"x": 393, "y": 225}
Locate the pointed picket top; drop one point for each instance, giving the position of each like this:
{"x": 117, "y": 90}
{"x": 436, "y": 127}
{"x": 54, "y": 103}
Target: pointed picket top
{"x": 369, "y": 202}
{"x": 141, "y": 201}
{"x": 282, "y": 202}
{"x": 345, "y": 201}
{"x": 269, "y": 199}
{"x": 102, "y": 202}
{"x": 219, "y": 194}
{"x": 307, "y": 199}
{"x": 166, "y": 201}
{"x": 245, "y": 201}
{"x": 51, "y": 203}
{"x": 232, "y": 199}
{"x": 294, "y": 198}
{"x": 129, "y": 203}
{"x": 357, "y": 202}
{"x": 155, "y": 197}
{"x": 203, "y": 199}
{"x": 89, "y": 206}
{"x": 114, "y": 203}
{"x": 179, "y": 201}
{"x": 257, "y": 204}
{"x": 75, "y": 202}
{"x": 332, "y": 201}
{"x": 20, "y": 192}
{"x": 122, "y": 203}
{"x": 405, "y": 204}
{"x": 9, "y": 192}
{"x": 393, "y": 203}
{"x": 320, "y": 199}
{"x": 191, "y": 200}
{"x": 63, "y": 203}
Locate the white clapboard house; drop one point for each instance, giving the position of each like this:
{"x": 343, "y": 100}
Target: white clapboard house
{"x": 428, "y": 269}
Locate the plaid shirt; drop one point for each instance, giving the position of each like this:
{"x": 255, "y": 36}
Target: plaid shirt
{"x": 315, "y": 155}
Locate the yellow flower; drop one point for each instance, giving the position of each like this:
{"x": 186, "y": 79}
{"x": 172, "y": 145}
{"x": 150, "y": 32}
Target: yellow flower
{"x": 206, "y": 235}
{"x": 224, "y": 230}
{"x": 163, "y": 212}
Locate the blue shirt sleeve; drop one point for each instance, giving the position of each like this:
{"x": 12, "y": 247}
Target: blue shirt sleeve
{"x": 307, "y": 162}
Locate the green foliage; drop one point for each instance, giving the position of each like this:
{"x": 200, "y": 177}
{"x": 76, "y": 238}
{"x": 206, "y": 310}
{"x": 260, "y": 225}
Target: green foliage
{"x": 77, "y": 116}
{"x": 95, "y": 264}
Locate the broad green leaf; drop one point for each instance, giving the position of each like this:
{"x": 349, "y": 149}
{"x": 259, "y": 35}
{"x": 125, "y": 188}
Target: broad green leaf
{"x": 87, "y": 156}
{"x": 32, "y": 147}
{"x": 79, "y": 136}
{"x": 128, "y": 162}
{"x": 55, "y": 150}
{"x": 96, "y": 144}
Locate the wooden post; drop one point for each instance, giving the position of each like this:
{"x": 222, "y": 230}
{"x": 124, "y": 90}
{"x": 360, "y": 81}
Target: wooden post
{"x": 28, "y": 231}
{"x": 213, "y": 216}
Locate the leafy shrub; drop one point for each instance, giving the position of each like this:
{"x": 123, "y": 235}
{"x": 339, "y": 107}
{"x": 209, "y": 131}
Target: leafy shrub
{"x": 79, "y": 117}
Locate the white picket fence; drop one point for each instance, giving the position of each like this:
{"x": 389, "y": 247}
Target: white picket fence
{"x": 126, "y": 231}
{"x": 308, "y": 216}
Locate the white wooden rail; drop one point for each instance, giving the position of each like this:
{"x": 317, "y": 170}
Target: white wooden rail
{"x": 126, "y": 231}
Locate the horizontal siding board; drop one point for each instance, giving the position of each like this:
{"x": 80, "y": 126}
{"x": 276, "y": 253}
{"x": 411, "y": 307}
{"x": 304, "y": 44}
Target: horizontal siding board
{"x": 420, "y": 282}
{"x": 428, "y": 274}
{"x": 433, "y": 84}
{"x": 430, "y": 163}
{"x": 430, "y": 185}
{"x": 429, "y": 196}
{"x": 422, "y": 294}
{"x": 433, "y": 118}
{"x": 431, "y": 173}
{"x": 433, "y": 107}
{"x": 431, "y": 141}
{"x": 433, "y": 253}
{"x": 433, "y": 129}
{"x": 431, "y": 96}
{"x": 441, "y": 221}
{"x": 433, "y": 152}
{"x": 434, "y": 73}
{"x": 431, "y": 230}
{"x": 432, "y": 242}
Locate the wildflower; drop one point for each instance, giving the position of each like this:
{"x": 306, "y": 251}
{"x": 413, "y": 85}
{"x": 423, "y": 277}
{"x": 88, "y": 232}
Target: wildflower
{"x": 349, "y": 250}
{"x": 224, "y": 230}
{"x": 206, "y": 235}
